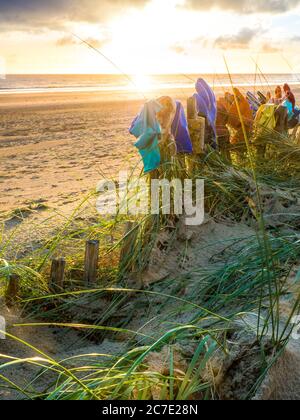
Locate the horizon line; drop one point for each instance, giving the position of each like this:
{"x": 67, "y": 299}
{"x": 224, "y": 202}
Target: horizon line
{"x": 146, "y": 74}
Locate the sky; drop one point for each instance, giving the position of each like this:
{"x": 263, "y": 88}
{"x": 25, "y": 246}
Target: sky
{"x": 149, "y": 36}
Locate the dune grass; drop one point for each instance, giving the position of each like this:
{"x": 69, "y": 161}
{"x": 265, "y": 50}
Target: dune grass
{"x": 242, "y": 291}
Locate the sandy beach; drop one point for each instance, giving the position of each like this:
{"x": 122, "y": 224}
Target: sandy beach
{"x": 56, "y": 147}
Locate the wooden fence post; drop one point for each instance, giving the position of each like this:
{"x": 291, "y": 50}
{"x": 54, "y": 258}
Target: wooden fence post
{"x": 191, "y": 108}
{"x": 91, "y": 262}
{"x": 197, "y": 132}
{"x": 196, "y": 126}
{"x": 12, "y": 290}
{"x": 57, "y": 275}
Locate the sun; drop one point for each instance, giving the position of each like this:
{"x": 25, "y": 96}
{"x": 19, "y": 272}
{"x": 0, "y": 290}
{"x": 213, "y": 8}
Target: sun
{"x": 143, "y": 82}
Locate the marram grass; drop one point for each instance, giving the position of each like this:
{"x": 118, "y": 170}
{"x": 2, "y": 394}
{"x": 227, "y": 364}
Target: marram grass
{"x": 218, "y": 298}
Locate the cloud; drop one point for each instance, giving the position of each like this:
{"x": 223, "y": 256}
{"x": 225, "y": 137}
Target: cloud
{"x": 66, "y": 40}
{"x": 241, "y": 40}
{"x": 245, "y": 6}
{"x": 70, "y": 40}
{"x": 53, "y": 14}
{"x": 269, "y": 48}
{"x": 185, "y": 48}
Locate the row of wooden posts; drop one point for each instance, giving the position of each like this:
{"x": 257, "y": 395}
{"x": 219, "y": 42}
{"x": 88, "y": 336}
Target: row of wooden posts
{"x": 91, "y": 263}
{"x": 58, "y": 267}
{"x": 57, "y": 273}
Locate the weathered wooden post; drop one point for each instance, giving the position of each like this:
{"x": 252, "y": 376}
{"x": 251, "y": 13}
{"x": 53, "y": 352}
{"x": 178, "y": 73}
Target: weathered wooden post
{"x": 192, "y": 108}
{"x": 57, "y": 275}
{"x": 197, "y": 132}
{"x": 197, "y": 125}
{"x": 91, "y": 262}
{"x": 12, "y": 290}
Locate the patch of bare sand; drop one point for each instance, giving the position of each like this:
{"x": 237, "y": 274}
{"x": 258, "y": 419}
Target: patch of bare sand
{"x": 60, "y": 344}
{"x": 181, "y": 253}
{"x": 188, "y": 248}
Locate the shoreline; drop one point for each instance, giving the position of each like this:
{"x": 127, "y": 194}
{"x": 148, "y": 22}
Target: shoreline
{"x": 127, "y": 90}
{"x": 58, "y": 99}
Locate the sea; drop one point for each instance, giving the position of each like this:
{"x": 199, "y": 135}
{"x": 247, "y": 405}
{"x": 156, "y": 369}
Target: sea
{"x": 21, "y": 84}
